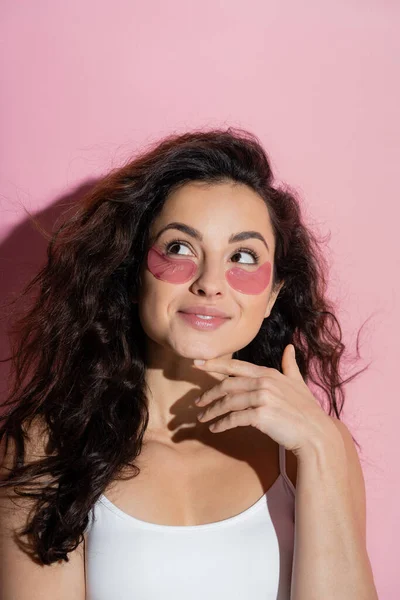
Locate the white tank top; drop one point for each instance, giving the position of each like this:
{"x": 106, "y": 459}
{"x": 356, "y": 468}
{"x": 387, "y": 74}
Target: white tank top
{"x": 245, "y": 557}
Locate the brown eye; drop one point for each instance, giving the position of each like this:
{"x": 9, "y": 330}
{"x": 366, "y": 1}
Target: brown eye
{"x": 175, "y": 244}
{"x": 251, "y": 253}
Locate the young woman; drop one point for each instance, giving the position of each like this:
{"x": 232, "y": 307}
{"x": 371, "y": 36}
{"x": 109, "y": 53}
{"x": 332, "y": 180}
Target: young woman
{"x": 146, "y": 474}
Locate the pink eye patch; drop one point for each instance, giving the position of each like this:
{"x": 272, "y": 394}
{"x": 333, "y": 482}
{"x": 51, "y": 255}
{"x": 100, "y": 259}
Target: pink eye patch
{"x": 166, "y": 268}
{"x": 249, "y": 282}
{"x": 181, "y": 270}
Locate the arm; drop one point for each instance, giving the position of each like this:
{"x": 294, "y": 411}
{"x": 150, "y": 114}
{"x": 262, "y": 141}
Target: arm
{"x": 330, "y": 556}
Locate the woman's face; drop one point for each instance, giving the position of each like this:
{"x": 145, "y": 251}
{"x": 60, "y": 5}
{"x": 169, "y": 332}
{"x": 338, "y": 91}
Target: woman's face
{"x": 192, "y": 264}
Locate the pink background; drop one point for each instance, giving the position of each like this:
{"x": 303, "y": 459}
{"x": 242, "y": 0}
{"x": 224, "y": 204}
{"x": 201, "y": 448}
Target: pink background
{"x": 85, "y": 84}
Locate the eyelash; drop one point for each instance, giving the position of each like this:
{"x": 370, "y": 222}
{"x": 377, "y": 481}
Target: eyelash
{"x": 253, "y": 253}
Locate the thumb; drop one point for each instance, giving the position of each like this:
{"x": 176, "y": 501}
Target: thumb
{"x": 289, "y": 363}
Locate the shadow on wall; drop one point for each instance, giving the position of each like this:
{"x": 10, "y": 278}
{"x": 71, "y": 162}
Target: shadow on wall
{"x": 22, "y": 255}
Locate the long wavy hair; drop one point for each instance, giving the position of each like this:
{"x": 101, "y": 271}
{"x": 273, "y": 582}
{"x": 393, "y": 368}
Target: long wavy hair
{"x": 78, "y": 364}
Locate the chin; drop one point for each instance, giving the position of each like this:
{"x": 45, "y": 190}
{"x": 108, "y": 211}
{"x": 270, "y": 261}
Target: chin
{"x": 201, "y": 350}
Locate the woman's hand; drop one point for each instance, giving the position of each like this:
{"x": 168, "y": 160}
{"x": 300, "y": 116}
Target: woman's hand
{"x": 279, "y": 404}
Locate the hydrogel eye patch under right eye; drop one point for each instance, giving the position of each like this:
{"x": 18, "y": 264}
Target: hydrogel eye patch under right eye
{"x": 170, "y": 269}
{"x": 181, "y": 270}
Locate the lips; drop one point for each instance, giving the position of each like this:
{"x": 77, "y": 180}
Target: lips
{"x": 200, "y": 309}
{"x": 202, "y": 324}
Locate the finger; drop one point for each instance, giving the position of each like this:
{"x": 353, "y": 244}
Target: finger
{"x": 230, "y": 402}
{"x": 241, "y": 418}
{"x": 290, "y": 367}
{"x": 227, "y": 385}
{"x": 235, "y": 367}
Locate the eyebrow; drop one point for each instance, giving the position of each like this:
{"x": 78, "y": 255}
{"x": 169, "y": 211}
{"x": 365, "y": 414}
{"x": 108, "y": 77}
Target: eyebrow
{"x": 194, "y": 233}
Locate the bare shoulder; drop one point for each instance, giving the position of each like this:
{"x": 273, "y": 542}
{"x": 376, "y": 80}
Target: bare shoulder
{"x": 20, "y": 576}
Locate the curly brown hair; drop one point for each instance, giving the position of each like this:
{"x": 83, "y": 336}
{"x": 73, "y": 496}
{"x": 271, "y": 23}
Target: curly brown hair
{"x": 78, "y": 352}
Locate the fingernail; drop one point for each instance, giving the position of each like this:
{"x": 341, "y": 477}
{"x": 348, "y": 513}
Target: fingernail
{"x": 199, "y": 361}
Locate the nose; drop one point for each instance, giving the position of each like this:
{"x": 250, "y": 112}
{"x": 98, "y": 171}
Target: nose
{"x": 211, "y": 279}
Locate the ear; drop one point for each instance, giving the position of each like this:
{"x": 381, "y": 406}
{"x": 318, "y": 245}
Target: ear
{"x": 272, "y": 299}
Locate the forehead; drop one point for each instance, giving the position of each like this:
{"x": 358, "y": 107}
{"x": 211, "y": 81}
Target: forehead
{"x": 217, "y": 210}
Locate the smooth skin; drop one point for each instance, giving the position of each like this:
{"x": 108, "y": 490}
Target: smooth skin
{"x": 216, "y": 212}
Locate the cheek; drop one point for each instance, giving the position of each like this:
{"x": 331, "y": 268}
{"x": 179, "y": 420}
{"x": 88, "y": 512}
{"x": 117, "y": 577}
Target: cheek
{"x": 169, "y": 269}
{"x": 247, "y": 282}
